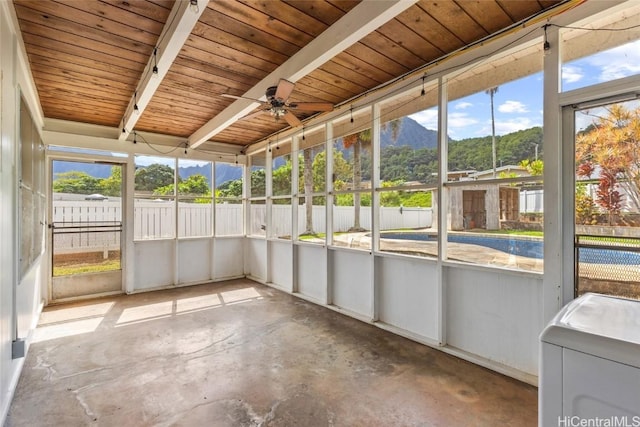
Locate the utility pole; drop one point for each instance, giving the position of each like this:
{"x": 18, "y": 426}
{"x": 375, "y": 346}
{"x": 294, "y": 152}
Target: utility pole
{"x": 492, "y": 92}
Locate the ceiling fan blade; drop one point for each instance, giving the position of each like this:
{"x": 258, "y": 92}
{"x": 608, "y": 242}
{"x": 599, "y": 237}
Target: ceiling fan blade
{"x": 252, "y": 115}
{"x": 292, "y": 119}
{"x": 285, "y": 87}
{"x": 312, "y": 106}
{"x": 226, "y": 95}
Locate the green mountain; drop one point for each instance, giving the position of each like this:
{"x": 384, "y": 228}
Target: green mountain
{"x": 511, "y": 149}
{"x": 411, "y": 134}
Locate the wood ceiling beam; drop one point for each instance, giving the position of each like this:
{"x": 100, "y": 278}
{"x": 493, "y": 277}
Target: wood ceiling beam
{"x": 355, "y": 25}
{"x": 180, "y": 23}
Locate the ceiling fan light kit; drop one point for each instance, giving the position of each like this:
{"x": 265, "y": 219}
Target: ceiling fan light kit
{"x": 278, "y": 107}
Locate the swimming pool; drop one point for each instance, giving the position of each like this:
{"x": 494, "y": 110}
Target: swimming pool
{"x": 524, "y": 246}
{"x": 511, "y": 245}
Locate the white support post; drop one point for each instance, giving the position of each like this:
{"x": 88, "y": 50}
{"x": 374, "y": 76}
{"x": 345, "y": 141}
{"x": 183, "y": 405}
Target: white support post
{"x": 295, "y": 173}
{"x": 329, "y": 209}
{"x": 268, "y": 177}
{"x": 375, "y": 207}
{"x": 246, "y": 188}
{"x": 552, "y": 283}
{"x": 128, "y": 215}
{"x": 443, "y": 207}
{"x": 176, "y": 227}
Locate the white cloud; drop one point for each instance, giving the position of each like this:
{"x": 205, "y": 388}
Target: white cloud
{"x": 618, "y": 62}
{"x": 520, "y": 123}
{"x": 427, "y": 118}
{"x": 463, "y": 105}
{"x": 460, "y": 120}
{"x": 513, "y": 107}
{"x": 618, "y": 70}
{"x": 571, "y": 74}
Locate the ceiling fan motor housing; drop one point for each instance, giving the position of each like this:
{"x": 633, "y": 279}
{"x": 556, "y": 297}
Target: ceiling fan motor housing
{"x": 271, "y": 93}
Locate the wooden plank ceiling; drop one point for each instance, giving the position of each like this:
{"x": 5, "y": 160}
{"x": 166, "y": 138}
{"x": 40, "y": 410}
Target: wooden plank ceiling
{"x": 88, "y": 57}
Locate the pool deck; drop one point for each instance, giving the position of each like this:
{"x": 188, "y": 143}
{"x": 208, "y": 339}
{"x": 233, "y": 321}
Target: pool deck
{"x": 465, "y": 252}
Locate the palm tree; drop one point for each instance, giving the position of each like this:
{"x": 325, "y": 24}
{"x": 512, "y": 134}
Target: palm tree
{"x": 491, "y": 92}
{"x": 359, "y": 141}
{"x": 308, "y": 189}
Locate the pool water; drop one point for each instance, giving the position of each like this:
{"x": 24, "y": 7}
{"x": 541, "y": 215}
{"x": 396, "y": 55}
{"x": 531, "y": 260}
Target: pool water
{"x": 523, "y": 247}
{"x": 526, "y": 247}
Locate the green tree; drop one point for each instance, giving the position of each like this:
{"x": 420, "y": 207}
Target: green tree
{"x": 586, "y": 211}
{"x": 361, "y": 141}
{"x": 195, "y": 185}
{"x": 342, "y": 170}
{"x": 535, "y": 167}
{"x": 612, "y": 143}
{"x": 153, "y": 177}
{"x": 230, "y": 189}
{"x": 417, "y": 200}
{"x": 76, "y": 182}
{"x": 281, "y": 179}
{"x": 308, "y": 184}
{"x": 112, "y": 186}
{"x": 258, "y": 182}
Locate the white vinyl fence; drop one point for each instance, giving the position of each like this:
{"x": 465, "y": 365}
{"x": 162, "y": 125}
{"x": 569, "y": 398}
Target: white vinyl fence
{"x": 531, "y": 201}
{"x": 156, "y": 219}
{"x": 343, "y": 218}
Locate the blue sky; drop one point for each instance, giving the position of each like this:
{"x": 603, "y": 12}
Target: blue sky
{"x": 518, "y": 104}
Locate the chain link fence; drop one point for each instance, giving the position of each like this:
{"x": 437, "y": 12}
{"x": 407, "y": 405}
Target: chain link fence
{"x": 607, "y": 265}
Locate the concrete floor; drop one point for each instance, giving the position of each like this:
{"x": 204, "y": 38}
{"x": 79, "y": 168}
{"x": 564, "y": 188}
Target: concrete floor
{"x": 242, "y": 354}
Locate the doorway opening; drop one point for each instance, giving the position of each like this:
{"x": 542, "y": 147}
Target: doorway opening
{"x": 86, "y": 229}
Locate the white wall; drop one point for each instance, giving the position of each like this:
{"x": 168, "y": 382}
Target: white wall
{"x": 255, "y": 259}
{"x": 154, "y": 265}
{"x": 228, "y": 259}
{"x": 408, "y": 295}
{"x": 194, "y": 260}
{"x": 281, "y": 264}
{"x": 351, "y": 281}
{"x": 495, "y": 314}
{"x": 311, "y": 272}
{"x": 170, "y": 262}
{"x": 19, "y": 303}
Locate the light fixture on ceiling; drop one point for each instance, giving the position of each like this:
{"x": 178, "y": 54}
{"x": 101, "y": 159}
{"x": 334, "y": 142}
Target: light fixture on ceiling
{"x": 546, "y": 46}
{"x": 136, "y": 109}
{"x": 134, "y": 137}
{"x": 155, "y": 62}
{"x": 193, "y": 5}
{"x": 277, "y": 112}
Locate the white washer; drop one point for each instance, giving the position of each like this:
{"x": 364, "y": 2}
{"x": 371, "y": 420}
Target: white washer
{"x": 590, "y": 364}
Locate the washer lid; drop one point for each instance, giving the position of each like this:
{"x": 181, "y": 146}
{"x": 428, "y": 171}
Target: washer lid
{"x": 601, "y": 325}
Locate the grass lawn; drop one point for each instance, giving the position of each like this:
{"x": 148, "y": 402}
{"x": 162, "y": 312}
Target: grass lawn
{"x": 94, "y": 267}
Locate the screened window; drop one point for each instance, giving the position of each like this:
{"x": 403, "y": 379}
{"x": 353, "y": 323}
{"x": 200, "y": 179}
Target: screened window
{"x": 229, "y": 216}
{"x": 311, "y": 187}
{"x": 258, "y": 192}
{"x": 32, "y": 191}
{"x": 281, "y": 173}
{"x": 155, "y": 198}
{"x": 495, "y": 163}
{"x": 195, "y": 198}
{"x": 408, "y": 177}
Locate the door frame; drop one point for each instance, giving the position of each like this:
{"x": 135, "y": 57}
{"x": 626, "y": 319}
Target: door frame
{"x": 621, "y": 90}
{"x": 84, "y": 158}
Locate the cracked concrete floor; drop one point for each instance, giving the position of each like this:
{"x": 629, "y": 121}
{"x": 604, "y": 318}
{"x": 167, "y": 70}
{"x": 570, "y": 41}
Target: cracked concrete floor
{"x": 241, "y": 354}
